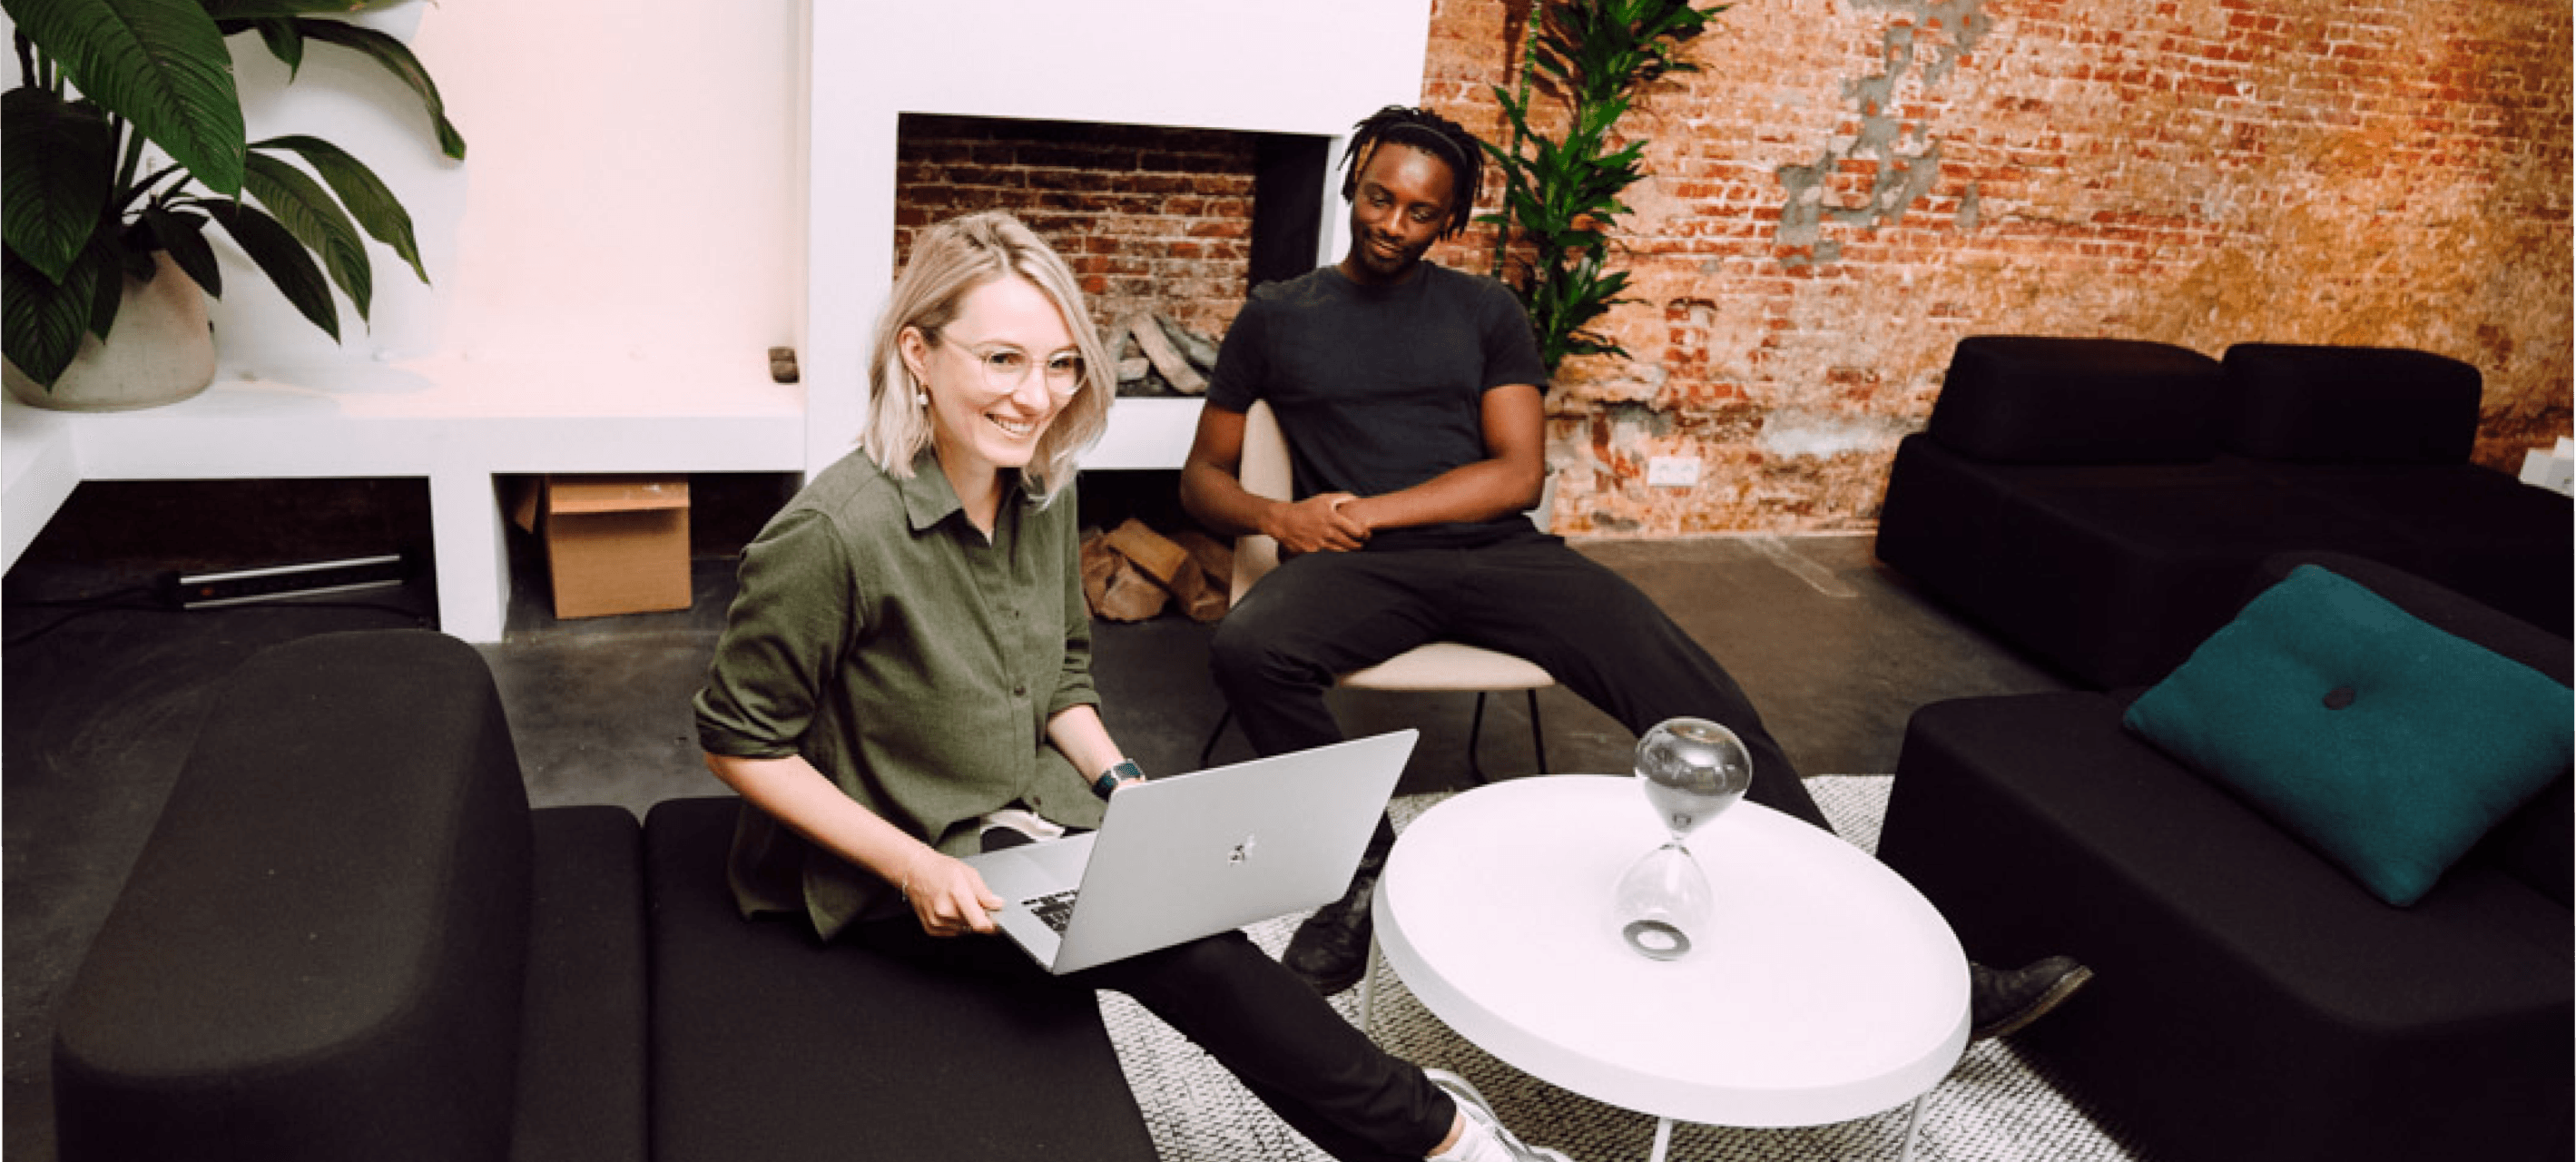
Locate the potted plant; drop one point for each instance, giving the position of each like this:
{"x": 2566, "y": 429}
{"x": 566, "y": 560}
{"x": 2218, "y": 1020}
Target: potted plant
{"x": 124, "y": 139}
{"x": 1559, "y": 195}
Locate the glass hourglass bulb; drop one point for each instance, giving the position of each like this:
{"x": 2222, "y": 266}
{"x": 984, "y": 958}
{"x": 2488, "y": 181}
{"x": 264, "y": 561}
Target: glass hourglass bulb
{"x": 1691, "y": 770}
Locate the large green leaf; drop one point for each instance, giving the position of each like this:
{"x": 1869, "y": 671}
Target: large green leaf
{"x": 369, "y": 200}
{"x": 62, "y": 168}
{"x": 107, "y": 291}
{"x": 284, "y": 40}
{"x": 283, "y": 259}
{"x": 397, "y": 58}
{"x": 42, "y": 320}
{"x": 306, "y": 210}
{"x": 159, "y": 64}
{"x": 184, "y": 237}
{"x": 263, "y": 9}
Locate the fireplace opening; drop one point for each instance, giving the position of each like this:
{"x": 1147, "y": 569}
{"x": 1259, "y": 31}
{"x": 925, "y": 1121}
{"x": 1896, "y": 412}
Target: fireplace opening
{"x": 1166, "y": 229}
{"x": 1162, "y": 223}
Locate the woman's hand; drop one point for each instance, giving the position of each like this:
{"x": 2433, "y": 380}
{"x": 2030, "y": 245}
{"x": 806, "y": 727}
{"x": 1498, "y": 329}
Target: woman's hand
{"x": 947, "y": 895}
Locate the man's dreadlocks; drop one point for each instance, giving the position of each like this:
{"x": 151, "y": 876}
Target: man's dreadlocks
{"x": 1432, "y": 134}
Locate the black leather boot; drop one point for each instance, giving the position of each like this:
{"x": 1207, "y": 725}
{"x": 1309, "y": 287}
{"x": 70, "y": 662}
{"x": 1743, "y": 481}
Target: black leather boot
{"x": 2001, "y": 1002}
{"x": 1330, "y": 950}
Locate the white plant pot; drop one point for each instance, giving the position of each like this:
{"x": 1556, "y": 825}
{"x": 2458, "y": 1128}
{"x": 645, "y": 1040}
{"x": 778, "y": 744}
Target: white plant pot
{"x": 160, "y": 351}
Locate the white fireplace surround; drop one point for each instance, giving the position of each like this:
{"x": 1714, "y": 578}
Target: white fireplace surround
{"x": 1268, "y": 66}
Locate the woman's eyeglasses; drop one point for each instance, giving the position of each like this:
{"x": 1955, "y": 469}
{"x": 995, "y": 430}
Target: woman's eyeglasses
{"x": 1006, "y": 367}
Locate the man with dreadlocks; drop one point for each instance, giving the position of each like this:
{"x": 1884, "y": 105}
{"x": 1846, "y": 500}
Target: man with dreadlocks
{"x": 1410, "y": 397}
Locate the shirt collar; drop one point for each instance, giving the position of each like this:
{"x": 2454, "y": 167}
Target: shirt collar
{"x": 928, "y": 498}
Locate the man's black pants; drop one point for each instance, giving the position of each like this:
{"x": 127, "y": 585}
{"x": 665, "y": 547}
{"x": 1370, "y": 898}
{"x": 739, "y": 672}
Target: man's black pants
{"x": 1325, "y": 614}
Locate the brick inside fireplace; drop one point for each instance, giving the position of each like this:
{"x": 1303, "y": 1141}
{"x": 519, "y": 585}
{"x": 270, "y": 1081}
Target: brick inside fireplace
{"x": 1172, "y": 220}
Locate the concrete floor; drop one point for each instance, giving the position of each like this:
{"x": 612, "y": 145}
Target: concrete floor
{"x": 100, "y": 705}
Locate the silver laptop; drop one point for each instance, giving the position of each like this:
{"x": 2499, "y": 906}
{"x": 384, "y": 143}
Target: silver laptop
{"x": 1191, "y": 855}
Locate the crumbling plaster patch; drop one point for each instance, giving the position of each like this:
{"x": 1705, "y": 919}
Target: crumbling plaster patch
{"x": 1907, "y": 158}
{"x": 1775, "y": 447}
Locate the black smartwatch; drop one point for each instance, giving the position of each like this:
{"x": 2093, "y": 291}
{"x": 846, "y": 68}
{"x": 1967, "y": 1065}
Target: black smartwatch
{"x": 1109, "y": 779}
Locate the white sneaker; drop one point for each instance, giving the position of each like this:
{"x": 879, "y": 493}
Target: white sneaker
{"x": 1496, "y": 1142}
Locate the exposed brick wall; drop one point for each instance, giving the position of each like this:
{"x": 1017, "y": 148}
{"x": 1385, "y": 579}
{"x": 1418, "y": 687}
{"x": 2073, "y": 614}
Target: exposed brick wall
{"x": 1850, "y": 186}
{"x": 1148, "y": 218}
{"x": 1853, "y": 185}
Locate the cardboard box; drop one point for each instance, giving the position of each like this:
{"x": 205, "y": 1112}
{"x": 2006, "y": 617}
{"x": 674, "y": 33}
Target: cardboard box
{"x": 614, "y": 544}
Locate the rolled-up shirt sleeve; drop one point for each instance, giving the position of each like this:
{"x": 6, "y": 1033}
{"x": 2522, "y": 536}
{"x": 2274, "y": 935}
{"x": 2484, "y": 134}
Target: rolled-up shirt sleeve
{"x": 790, "y": 626}
{"x": 1073, "y": 686}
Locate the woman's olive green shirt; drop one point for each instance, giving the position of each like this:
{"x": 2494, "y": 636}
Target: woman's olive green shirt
{"x": 914, "y": 662}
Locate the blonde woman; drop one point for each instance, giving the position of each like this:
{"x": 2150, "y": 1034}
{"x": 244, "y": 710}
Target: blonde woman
{"x": 909, "y": 659}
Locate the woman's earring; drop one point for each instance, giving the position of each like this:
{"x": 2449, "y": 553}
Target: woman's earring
{"x": 920, "y": 398}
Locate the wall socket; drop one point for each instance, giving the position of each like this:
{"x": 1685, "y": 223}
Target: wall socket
{"x": 1672, "y": 471}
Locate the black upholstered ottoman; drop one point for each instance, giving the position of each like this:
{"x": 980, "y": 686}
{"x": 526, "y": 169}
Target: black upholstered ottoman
{"x": 348, "y": 937}
{"x": 2097, "y": 502}
{"x": 770, "y": 1045}
{"x": 2253, "y": 1001}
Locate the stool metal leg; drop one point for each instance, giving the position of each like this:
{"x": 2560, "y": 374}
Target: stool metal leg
{"x": 1213, "y": 735}
{"x": 1368, "y": 987}
{"x": 1538, "y": 738}
{"x": 1475, "y": 731}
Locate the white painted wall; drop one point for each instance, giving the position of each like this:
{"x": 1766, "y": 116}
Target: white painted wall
{"x": 645, "y": 188}
{"x": 628, "y": 193}
{"x": 656, "y": 186}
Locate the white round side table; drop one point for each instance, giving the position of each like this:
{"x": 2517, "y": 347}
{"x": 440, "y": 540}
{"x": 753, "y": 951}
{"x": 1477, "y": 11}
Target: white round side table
{"x": 1824, "y": 989}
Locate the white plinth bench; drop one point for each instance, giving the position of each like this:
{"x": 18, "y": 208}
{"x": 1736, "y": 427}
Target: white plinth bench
{"x": 459, "y": 422}
{"x": 453, "y": 421}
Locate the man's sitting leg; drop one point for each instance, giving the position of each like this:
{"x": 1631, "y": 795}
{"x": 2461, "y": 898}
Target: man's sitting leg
{"x": 1599, "y": 634}
{"x": 1606, "y": 640}
{"x": 1275, "y": 655}
{"x": 1330, "y": 948}
{"x": 1309, "y": 621}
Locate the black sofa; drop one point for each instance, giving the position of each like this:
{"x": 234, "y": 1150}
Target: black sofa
{"x": 349, "y": 937}
{"x": 2095, "y": 503}
{"x": 2252, "y": 1000}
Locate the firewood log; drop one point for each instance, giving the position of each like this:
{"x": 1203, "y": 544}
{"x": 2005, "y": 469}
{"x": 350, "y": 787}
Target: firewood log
{"x": 1129, "y": 595}
{"x": 1214, "y": 557}
{"x": 1158, "y": 348}
{"x": 1157, "y": 555}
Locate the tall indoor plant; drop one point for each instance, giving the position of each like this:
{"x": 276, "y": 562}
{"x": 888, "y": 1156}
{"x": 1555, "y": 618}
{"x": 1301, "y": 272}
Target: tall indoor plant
{"x": 125, "y": 138}
{"x": 1560, "y": 194}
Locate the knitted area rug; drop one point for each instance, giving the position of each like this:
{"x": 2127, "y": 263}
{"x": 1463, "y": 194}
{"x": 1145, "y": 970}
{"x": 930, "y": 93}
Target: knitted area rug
{"x": 1993, "y": 1108}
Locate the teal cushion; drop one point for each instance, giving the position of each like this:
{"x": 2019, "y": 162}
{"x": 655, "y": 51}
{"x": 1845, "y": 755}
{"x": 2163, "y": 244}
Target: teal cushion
{"x": 2385, "y": 743}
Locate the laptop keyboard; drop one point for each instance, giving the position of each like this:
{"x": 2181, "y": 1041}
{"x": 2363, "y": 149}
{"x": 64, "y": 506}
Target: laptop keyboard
{"x": 1056, "y": 910}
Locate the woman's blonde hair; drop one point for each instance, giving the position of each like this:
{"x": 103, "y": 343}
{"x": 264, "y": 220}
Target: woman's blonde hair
{"x": 948, "y": 261}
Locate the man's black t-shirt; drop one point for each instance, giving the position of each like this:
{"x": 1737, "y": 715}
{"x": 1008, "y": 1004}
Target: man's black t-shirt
{"x": 1380, "y": 388}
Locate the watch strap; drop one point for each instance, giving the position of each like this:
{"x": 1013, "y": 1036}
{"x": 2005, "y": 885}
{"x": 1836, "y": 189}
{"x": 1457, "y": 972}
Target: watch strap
{"x": 1109, "y": 779}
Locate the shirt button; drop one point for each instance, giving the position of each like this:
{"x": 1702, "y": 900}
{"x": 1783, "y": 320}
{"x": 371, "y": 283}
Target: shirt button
{"x": 1019, "y": 691}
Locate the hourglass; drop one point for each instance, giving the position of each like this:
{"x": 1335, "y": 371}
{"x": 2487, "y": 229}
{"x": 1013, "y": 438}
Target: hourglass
{"x": 1690, "y": 769}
